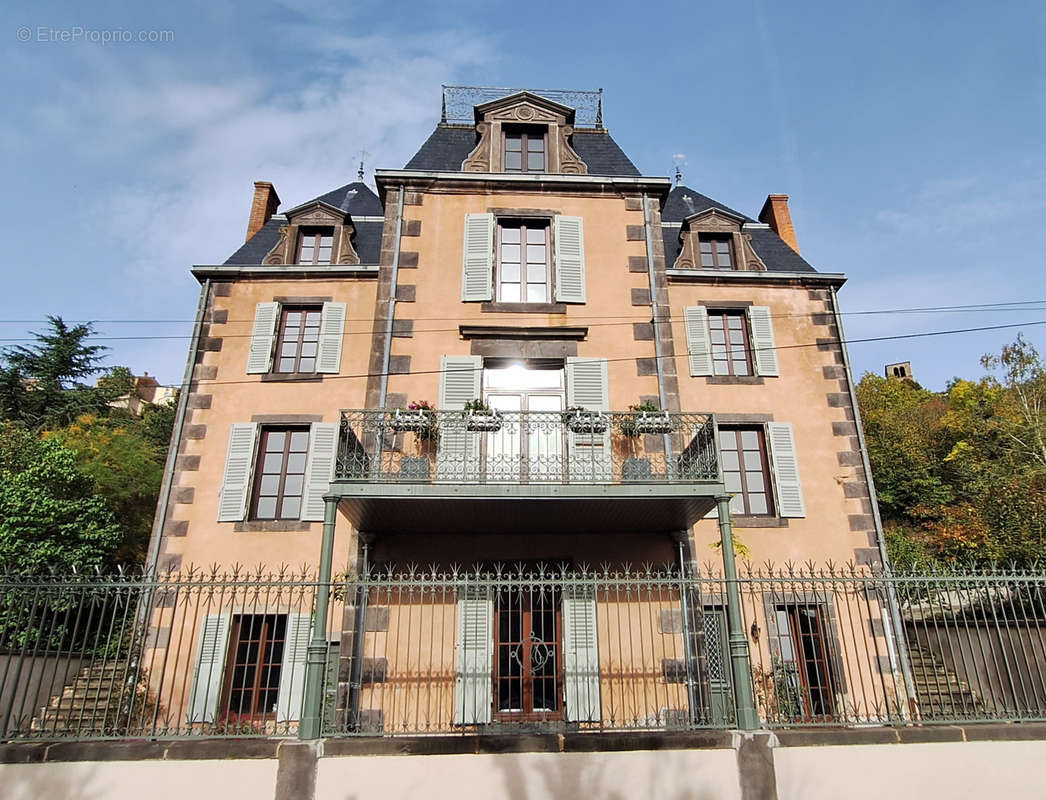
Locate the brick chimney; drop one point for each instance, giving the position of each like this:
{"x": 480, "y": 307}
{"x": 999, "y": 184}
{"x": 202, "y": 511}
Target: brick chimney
{"x": 775, "y": 213}
{"x": 266, "y": 201}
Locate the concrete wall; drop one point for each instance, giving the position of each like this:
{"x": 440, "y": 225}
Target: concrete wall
{"x": 41, "y": 677}
{"x": 902, "y": 764}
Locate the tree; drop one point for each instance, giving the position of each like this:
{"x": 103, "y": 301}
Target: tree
{"x": 50, "y": 518}
{"x": 43, "y": 384}
{"x": 961, "y": 475}
{"x": 127, "y": 467}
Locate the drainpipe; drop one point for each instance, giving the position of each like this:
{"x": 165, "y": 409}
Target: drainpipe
{"x": 387, "y": 357}
{"x": 897, "y": 641}
{"x": 176, "y": 433}
{"x": 648, "y": 228}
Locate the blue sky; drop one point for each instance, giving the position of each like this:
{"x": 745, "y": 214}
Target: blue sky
{"x": 910, "y": 137}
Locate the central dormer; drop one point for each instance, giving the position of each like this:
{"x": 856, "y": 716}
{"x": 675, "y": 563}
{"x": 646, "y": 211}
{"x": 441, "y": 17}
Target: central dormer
{"x": 524, "y": 133}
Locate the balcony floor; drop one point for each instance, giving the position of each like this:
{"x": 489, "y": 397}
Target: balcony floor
{"x": 525, "y": 508}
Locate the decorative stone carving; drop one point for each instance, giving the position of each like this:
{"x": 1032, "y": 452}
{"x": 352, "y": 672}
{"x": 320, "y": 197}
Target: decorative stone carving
{"x": 751, "y": 259}
{"x": 479, "y": 159}
{"x": 346, "y": 252}
{"x": 278, "y": 254}
{"x": 524, "y": 112}
{"x": 570, "y": 162}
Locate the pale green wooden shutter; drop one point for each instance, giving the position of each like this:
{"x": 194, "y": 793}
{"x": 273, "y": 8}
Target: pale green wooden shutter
{"x": 457, "y": 456}
{"x": 332, "y": 334}
{"x": 786, "y": 470}
{"x": 477, "y": 270}
{"x": 210, "y": 667}
{"x": 591, "y": 458}
{"x": 474, "y": 679}
{"x": 292, "y": 669}
{"x": 239, "y": 463}
{"x": 263, "y": 335}
{"x": 581, "y": 657}
{"x": 319, "y": 471}
{"x": 569, "y": 234}
{"x": 698, "y": 340}
{"x": 764, "y": 349}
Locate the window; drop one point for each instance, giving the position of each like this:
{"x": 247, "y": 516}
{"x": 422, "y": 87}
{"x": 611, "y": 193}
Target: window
{"x": 801, "y": 639}
{"x": 299, "y": 339}
{"x": 523, "y": 261}
{"x": 252, "y": 681}
{"x": 524, "y": 150}
{"x": 716, "y": 252}
{"x": 315, "y": 245}
{"x": 728, "y": 334}
{"x": 280, "y": 473}
{"x": 527, "y": 675}
{"x": 746, "y": 472}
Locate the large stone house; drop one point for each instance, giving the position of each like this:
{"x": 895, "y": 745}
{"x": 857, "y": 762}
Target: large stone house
{"x": 637, "y": 350}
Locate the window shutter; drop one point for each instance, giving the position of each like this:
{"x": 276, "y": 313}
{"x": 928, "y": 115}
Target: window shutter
{"x": 581, "y": 658}
{"x": 210, "y": 668}
{"x": 698, "y": 340}
{"x": 239, "y": 463}
{"x": 591, "y": 458}
{"x": 569, "y": 234}
{"x": 263, "y": 334}
{"x": 764, "y": 350}
{"x": 292, "y": 670}
{"x": 332, "y": 334}
{"x": 477, "y": 272}
{"x": 786, "y": 470}
{"x": 319, "y": 471}
{"x": 474, "y": 681}
{"x": 457, "y": 456}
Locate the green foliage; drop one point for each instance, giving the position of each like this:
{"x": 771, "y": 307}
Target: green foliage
{"x": 42, "y": 385}
{"x": 116, "y": 463}
{"x": 127, "y": 467}
{"x": 961, "y": 475}
{"x": 50, "y": 517}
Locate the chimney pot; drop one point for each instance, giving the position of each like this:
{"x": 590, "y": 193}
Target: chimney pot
{"x": 266, "y": 201}
{"x": 775, "y": 213}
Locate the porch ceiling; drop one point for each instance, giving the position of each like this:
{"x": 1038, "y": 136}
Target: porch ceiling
{"x": 500, "y": 508}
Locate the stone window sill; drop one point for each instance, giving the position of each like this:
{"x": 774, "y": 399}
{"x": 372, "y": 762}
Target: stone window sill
{"x": 292, "y": 377}
{"x": 740, "y": 521}
{"x": 271, "y": 526}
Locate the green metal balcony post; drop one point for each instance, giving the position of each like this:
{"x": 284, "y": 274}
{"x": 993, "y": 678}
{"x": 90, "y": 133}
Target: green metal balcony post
{"x": 316, "y": 655}
{"x": 740, "y": 661}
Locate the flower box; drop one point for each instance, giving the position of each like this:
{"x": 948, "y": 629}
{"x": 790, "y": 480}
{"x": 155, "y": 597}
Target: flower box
{"x": 658, "y": 422}
{"x": 588, "y": 422}
{"x": 488, "y": 421}
{"x": 406, "y": 420}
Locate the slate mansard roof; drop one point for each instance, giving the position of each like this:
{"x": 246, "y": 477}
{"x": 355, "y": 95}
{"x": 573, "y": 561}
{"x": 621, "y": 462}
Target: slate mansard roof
{"x": 357, "y": 199}
{"x": 683, "y": 201}
{"x": 449, "y": 145}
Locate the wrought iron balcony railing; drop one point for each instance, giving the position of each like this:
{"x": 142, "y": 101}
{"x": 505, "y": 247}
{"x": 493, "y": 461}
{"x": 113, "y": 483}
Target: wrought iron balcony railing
{"x": 546, "y": 447}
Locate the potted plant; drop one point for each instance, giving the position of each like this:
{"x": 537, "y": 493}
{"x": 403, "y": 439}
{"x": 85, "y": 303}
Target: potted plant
{"x": 419, "y": 417}
{"x": 479, "y": 416}
{"x": 645, "y": 418}
{"x": 580, "y": 420}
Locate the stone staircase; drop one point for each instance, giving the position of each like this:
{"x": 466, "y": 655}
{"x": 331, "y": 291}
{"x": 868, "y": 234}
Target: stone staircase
{"x": 91, "y": 705}
{"x": 940, "y": 692}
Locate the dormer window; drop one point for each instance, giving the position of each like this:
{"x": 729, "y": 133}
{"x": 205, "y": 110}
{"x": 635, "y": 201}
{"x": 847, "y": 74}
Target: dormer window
{"x": 315, "y": 245}
{"x": 716, "y": 251}
{"x": 525, "y": 148}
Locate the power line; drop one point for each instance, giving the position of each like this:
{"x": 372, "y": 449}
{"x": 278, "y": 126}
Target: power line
{"x": 1012, "y": 305}
{"x": 624, "y": 321}
{"x": 840, "y": 343}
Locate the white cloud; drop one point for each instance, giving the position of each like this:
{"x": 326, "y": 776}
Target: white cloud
{"x": 197, "y": 144}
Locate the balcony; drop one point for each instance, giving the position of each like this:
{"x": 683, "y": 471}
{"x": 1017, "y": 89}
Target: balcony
{"x": 516, "y": 472}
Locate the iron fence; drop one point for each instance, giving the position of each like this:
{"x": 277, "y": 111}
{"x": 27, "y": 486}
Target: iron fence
{"x": 565, "y": 447}
{"x": 521, "y": 648}
{"x": 459, "y": 102}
